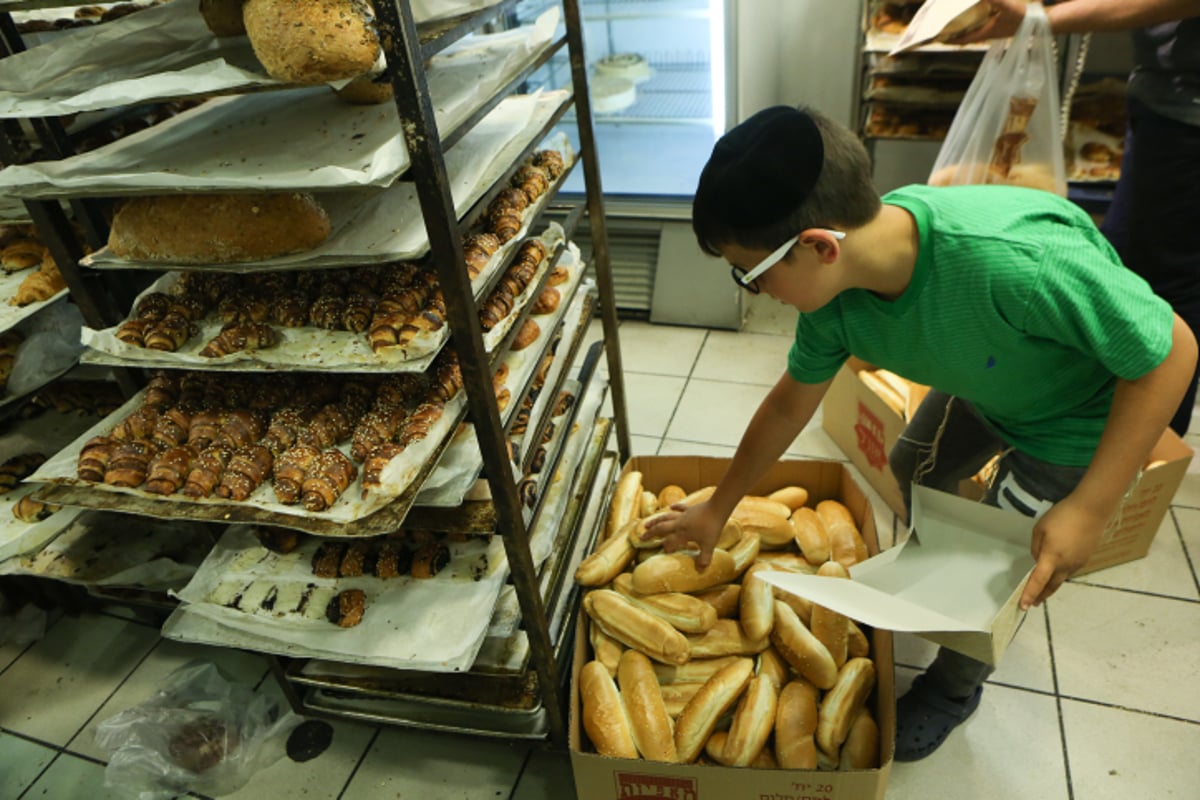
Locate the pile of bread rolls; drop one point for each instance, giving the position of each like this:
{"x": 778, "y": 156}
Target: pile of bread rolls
{"x": 717, "y": 666}
{"x": 900, "y": 394}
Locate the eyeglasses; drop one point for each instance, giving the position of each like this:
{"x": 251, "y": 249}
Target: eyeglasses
{"x": 746, "y": 280}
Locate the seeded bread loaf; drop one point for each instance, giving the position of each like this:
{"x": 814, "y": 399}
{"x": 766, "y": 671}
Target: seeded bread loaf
{"x": 312, "y": 41}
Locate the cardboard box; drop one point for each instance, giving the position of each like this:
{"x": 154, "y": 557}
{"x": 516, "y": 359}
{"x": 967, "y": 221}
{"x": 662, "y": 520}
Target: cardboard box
{"x": 957, "y": 581}
{"x": 866, "y": 428}
{"x": 599, "y": 777}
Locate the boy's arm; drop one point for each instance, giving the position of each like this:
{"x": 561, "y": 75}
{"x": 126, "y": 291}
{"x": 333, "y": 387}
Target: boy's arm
{"x": 1083, "y": 16}
{"x": 1064, "y": 538}
{"x": 779, "y": 419}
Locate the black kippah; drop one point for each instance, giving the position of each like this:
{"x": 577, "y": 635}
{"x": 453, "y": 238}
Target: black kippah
{"x": 762, "y": 170}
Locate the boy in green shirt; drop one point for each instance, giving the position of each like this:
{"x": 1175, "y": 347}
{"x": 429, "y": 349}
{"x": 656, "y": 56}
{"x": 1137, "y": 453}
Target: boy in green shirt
{"x": 1037, "y": 342}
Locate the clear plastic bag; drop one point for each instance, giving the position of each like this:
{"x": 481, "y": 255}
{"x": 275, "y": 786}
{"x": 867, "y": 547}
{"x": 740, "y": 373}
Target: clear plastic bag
{"x": 1007, "y": 128}
{"x": 199, "y": 733}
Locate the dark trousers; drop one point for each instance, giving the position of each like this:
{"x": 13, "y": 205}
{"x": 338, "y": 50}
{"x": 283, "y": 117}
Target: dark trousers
{"x": 1154, "y": 219}
{"x": 947, "y": 442}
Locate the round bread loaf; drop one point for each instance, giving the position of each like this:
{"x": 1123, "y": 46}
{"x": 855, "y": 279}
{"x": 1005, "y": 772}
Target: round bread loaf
{"x": 366, "y": 91}
{"x": 223, "y": 17}
{"x": 217, "y": 228}
{"x": 312, "y": 41}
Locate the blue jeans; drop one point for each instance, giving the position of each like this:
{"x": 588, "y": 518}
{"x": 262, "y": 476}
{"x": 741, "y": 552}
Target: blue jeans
{"x": 947, "y": 442}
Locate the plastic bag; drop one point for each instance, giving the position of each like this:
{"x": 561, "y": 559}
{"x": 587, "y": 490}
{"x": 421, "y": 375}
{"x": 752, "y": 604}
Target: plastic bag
{"x": 199, "y": 733}
{"x": 1007, "y": 128}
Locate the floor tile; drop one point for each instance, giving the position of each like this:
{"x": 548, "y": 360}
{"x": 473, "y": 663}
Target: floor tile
{"x": 151, "y": 675}
{"x": 715, "y": 412}
{"x": 676, "y": 447}
{"x": 320, "y": 778}
{"x": 651, "y": 401}
{"x": 72, "y": 778}
{"x": 743, "y": 358}
{"x": 814, "y": 442}
{"x": 644, "y": 445}
{"x": 1188, "y": 520}
{"x": 1188, "y": 494}
{"x": 660, "y": 349}
{"x": 1118, "y": 753}
{"x": 547, "y": 775}
{"x": 416, "y": 764}
{"x": 52, "y": 690}
{"x": 1010, "y": 747}
{"x": 21, "y": 761}
{"x": 1164, "y": 570}
{"x": 1106, "y": 640}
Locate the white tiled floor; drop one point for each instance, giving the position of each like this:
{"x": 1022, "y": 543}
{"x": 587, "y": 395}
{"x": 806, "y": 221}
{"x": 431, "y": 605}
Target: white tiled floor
{"x": 1097, "y": 698}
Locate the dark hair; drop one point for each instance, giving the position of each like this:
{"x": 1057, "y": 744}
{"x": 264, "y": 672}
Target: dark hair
{"x": 843, "y": 195}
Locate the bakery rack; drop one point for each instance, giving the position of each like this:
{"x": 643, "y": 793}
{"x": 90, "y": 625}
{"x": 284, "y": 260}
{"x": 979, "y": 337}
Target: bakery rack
{"x": 544, "y": 594}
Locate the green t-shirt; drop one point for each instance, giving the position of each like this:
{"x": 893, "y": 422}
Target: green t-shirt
{"x": 1017, "y": 304}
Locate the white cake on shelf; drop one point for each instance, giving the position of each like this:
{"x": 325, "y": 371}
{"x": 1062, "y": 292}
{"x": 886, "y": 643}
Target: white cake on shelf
{"x": 612, "y": 94}
{"x": 629, "y": 66}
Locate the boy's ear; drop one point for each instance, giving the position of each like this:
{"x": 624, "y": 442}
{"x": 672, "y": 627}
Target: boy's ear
{"x": 823, "y": 243}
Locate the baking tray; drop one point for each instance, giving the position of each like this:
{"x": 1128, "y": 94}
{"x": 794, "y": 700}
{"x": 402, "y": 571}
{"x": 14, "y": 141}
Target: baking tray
{"x": 262, "y": 142}
{"x": 308, "y": 349}
{"x": 370, "y": 226}
{"x": 350, "y": 516}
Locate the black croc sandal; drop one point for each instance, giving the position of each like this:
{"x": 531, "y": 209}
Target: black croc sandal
{"x": 925, "y": 717}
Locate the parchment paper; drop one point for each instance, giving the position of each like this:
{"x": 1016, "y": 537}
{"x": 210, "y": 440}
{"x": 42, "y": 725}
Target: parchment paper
{"x": 372, "y": 226}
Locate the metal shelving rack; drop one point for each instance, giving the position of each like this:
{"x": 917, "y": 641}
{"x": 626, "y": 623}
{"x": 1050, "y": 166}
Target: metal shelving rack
{"x": 407, "y": 47}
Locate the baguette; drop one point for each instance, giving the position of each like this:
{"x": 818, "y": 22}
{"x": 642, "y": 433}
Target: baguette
{"x": 795, "y": 724}
{"x": 789, "y": 562}
{"x": 774, "y": 531}
{"x": 676, "y": 695}
{"x": 724, "y": 598}
{"x": 886, "y": 393}
{"x": 846, "y": 544}
{"x": 801, "y": 606}
{"x": 771, "y": 665}
{"x": 803, "y": 651}
{"x": 699, "y": 717}
{"x": 697, "y": 670}
{"x": 841, "y": 704}
{"x": 604, "y": 716}
{"x": 726, "y": 638}
{"x": 624, "y": 505}
{"x": 752, "y": 722}
{"x": 670, "y": 495}
{"x": 756, "y": 604}
{"x": 682, "y": 611}
{"x": 606, "y": 649}
{"x": 831, "y": 627}
{"x": 649, "y": 723}
{"x": 676, "y": 572}
{"x": 714, "y": 749}
{"x": 648, "y": 504}
{"x": 857, "y": 645}
{"x": 217, "y": 228}
{"x": 753, "y": 505}
{"x": 635, "y": 628}
{"x": 861, "y": 749}
{"x": 791, "y": 496}
{"x": 745, "y": 552}
{"x": 916, "y": 396}
{"x": 731, "y": 534}
{"x": 311, "y": 41}
{"x": 697, "y": 497}
{"x": 811, "y": 535}
{"x": 901, "y": 386}
{"x": 610, "y": 560}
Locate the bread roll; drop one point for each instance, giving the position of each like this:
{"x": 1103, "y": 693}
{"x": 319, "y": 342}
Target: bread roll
{"x": 726, "y": 638}
{"x": 714, "y": 750}
{"x": 744, "y": 552}
{"x": 651, "y": 727}
{"x": 606, "y": 649}
{"x": 699, "y": 717}
{"x": 636, "y": 628}
{"x": 682, "y": 611}
{"x": 752, "y": 722}
{"x": 676, "y": 695}
{"x": 697, "y": 497}
{"x": 725, "y": 599}
{"x": 795, "y": 724}
{"x": 857, "y": 644}
{"x": 648, "y": 504}
{"x": 625, "y": 501}
{"x": 845, "y": 542}
{"x": 670, "y": 495}
{"x": 604, "y": 716}
{"x": 753, "y": 505}
{"x": 791, "y": 496}
{"x": 223, "y": 17}
{"x": 789, "y": 562}
{"x": 312, "y": 41}
{"x": 916, "y": 395}
{"x": 756, "y": 604}
{"x": 676, "y": 572}
{"x": 801, "y": 606}
{"x": 801, "y": 649}
{"x": 829, "y": 626}
{"x": 731, "y": 533}
{"x": 811, "y": 536}
{"x": 697, "y": 670}
{"x": 609, "y": 560}
{"x": 367, "y": 90}
{"x": 842, "y": 703}
{"x": 861, "y": 749}
{"x": 773, "y": 530}
{"x": 771, "y": 665}
{"x": 217, "y": 228}
{"x": 886, "y": 393}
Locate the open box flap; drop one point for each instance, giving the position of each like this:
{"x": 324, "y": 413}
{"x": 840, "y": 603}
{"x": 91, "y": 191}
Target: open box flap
{"x": 958, "y": 581}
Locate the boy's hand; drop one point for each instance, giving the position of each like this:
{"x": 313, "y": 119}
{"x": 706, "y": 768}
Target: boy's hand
{"x": 1006, "y": 18}
{"x": 697, "y": 524}
{"x": 1063, "y": 541}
